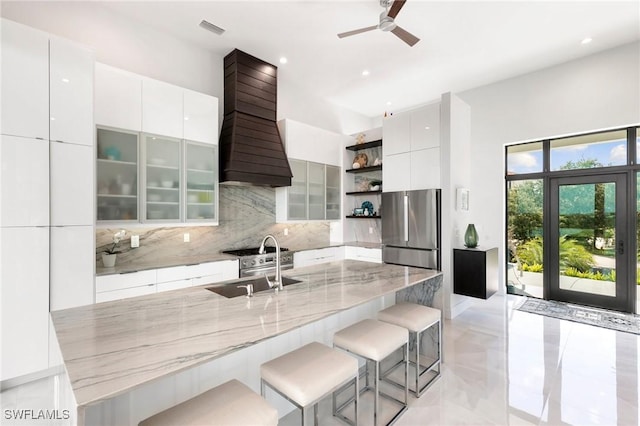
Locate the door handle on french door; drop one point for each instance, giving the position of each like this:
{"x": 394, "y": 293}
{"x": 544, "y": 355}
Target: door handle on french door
{"x": 620, "y": 247}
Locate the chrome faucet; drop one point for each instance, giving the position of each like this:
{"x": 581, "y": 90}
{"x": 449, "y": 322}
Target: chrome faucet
{"x": 277, "y": 282}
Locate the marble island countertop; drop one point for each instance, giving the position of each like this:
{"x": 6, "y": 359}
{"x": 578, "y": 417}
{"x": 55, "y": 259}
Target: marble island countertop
{"x": 111, "y": 348}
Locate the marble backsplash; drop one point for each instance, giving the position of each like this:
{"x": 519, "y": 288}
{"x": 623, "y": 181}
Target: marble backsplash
{"x": 247, "y": 214}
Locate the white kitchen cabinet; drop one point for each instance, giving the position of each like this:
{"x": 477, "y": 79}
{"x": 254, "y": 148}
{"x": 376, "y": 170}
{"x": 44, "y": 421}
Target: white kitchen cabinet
{"x": 316, "y": 190}
{"x": 317, "y": 257}
{"x": 125, "y": 293}
{"x": 396, "y": 133}
{"x": 25, "y": 81}
{"x": 162, "y": 176}
{"x": 105, "y": 283}
{"x": 24, "y": 173}
{"x": 309, "y": 143}
{"x": 118, "y": 98}
{"x": 364, "y": 254}
{"x": 200, "y": 117}
{"x": 425, "y": 127}
{"x": 425, "y": 169}
{"x": 162, "y": 108}
{"x": 396, "y": 173}
{"x": 120, "y": 286}
{"x": 71, "y": 184}
{"x": 201, "y": 186}
{"x": 411, "y": 149}
{"x": 117, "y": 175}
{"x": 24, "y": 278}
{"x": 72, "y": 266}
{"x": 71, "y": 92}
{"x": 306, "y": 198}
{"x": 173, "y": 285}
{"x": 333, "y": 193}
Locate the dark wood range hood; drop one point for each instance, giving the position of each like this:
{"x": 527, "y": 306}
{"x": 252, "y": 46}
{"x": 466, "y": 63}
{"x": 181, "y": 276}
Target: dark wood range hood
{"x": 251, "y": 150}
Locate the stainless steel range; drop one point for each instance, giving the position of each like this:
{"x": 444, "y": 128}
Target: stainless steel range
{"x": 253, "y": 263}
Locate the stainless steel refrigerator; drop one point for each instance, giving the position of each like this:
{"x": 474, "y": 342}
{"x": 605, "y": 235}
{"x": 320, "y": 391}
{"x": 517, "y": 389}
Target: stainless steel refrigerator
{"x": 411, "y": 228}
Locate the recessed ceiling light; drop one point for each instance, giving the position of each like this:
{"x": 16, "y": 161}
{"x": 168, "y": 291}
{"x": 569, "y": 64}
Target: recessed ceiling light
{"x": 586, "y": 40}
{"x": 65, "y": 80}
{"x": 427, "y": 127}
{"x": 186, "y": 118}
{"x": 388, "y": 102}
{"x": 283, "y": 60}
{"x": 365, "y": 73}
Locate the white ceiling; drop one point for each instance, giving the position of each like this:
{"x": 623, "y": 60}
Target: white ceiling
{"x": 464, "y": 44}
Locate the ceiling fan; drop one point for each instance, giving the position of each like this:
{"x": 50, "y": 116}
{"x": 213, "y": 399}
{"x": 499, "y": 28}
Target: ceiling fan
{"x": 387, "y": 23}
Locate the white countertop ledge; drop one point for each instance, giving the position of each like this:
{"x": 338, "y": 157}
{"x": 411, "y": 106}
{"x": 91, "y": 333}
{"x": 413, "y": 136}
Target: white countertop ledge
{"x": 110, "y": 348}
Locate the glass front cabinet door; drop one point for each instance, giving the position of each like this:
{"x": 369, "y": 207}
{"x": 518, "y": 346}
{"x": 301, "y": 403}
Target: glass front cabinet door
{"x": 117, "y": 176}
{"x": 162, "y": 178}
{"x": 202, "y": 179}
{"x": 297, "y": 193}
{"x": 333, "y": 194}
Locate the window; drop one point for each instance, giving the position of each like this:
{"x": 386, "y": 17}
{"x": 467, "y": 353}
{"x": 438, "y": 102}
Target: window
{"x": 524, "y": 158}
{"x": 589, "y": 151}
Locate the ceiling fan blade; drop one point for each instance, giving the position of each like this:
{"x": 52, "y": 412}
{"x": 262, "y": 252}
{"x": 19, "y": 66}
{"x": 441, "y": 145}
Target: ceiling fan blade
{"x": 405, "y": 36}
{"x": 354, "y": 32}
{"x": 395, "y": 8}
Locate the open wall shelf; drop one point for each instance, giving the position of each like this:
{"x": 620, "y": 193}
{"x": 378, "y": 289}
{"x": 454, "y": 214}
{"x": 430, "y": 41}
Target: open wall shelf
{"x": 365, "y": 169}
{"x": 366, "y": 145}
{"x": 364, "y": 192}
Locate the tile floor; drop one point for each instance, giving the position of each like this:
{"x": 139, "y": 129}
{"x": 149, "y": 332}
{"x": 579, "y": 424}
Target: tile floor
{"x": 502, "y": 367}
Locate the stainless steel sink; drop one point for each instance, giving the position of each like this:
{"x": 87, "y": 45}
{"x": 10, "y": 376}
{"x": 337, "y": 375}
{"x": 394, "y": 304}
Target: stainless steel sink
{"x": 231, "y": 290}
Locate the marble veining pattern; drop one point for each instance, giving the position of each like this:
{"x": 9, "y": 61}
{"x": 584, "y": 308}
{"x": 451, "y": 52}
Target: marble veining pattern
{"x": 246, "y": 215}
{"x": 112, "y": 347}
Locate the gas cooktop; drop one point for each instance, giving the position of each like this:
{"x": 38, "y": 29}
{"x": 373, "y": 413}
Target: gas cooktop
{"x": 252, "y": 251}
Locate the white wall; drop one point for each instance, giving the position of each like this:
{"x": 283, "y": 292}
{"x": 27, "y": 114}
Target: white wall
{"x": 455, "y": 143}
{"x": 133, "y": 46}
{"x": 596, "y": 92}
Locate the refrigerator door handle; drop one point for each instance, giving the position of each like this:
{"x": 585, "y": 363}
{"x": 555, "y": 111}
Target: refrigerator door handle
{"x": 406, "y": 217}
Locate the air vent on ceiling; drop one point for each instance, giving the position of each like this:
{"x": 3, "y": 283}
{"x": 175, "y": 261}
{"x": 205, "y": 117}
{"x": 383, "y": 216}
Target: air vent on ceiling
{"x": 210, "y": 27}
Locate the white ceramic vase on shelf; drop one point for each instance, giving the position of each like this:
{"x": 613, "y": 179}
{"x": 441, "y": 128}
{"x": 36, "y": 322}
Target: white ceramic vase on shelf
{"x": 108, "y": 260}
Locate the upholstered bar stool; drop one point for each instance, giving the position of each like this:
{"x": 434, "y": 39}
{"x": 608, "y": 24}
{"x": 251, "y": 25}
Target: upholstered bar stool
{"x": 308, "y": 374}
{"x": 417, "y": 319}
{"x": 374, "y": 341}
{"x": 231, "y": 403}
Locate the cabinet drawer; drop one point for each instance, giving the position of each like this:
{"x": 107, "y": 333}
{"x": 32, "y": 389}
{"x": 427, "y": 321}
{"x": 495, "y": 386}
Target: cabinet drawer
{"x": 125, "y": 293}
{"x": 173, "y": 285}
{"x": 173, "y": 274}
{"x": 124, "y": 281}
{"x": 207, "y": 279}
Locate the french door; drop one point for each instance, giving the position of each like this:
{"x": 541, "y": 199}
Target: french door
{"x": 588, "y": 260}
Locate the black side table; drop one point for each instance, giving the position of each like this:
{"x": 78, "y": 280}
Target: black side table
{"x": 475, "y": 271}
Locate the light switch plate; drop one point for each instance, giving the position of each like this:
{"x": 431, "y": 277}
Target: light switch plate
{"x": 135, "y": 241}
{"x": 186, "y": 237}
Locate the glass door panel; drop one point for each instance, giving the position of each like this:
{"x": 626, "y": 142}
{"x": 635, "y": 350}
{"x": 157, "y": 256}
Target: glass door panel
{"x": 117, "y": 175}
{"x": 588, "y": 228}
{"x": 162, "y": 156}
{"x": 202, "y": 179}
{"x": 316, "y": 191}
{"x": 297, "y": 193}
{"x": 333, "y": 195}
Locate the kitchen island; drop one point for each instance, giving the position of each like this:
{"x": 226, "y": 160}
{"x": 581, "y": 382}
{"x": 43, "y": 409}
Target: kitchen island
{"x": 128, "y": 359}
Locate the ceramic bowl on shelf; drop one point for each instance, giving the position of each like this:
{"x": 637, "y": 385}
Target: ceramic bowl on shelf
{"x": 154, "y": 197}
{"x": 167, "y": 184}
{"x": 192, "y": 198}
